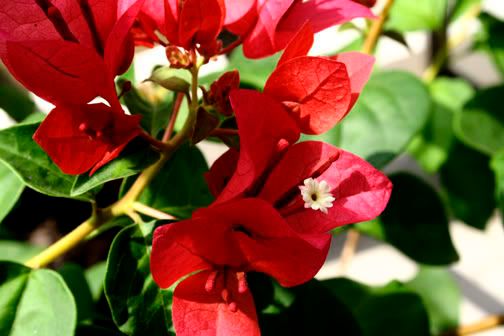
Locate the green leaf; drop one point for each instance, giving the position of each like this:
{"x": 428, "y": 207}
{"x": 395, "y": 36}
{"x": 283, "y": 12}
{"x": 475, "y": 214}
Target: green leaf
{"x": 176, "y": 80}
{"x": 407, "y": 15}
{"x": 481, "y": 124}
{"x": 155, "y": 115}
{"x": 136, "y": 157}
{"x": 441, "y": 297}
{"x": 385, "y": 118}
{"x": 498, "y": 168}
{"x": 16, "y": 102}
{"x": 431, "y": 146}
{"x": 180, "y": 187}
{"x": 17, "y": 251}
{"x": 138, "y": 305}
{"x": 252, "y": 72}
{"x": 469, "y": 184}
{"x": 11, "y": 188}
{"x": 415, "y": 222}
{"x": 32, "y": 165}
{"x": 74, "y": 277}
{"x": 95, "y": 276}
{"x": 34, "y": 303}
{"x": 392, "y": 310}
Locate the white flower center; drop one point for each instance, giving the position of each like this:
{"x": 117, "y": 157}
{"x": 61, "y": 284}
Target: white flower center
{"x": 316, "y": 195}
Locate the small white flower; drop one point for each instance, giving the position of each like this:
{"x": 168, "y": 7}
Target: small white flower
{"x": 316, "y": 195}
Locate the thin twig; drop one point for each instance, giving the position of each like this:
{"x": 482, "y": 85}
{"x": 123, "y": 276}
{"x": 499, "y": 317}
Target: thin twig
{"x": 376, "y": 29}
{"x": 173, "y": 118}
{"x": 487, "y": 323}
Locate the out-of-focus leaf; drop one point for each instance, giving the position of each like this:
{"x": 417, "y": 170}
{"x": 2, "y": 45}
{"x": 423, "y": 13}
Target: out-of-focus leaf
{"x": 441, "y": 297}
{"x": 493, "y": 30}
{"x": 431, "y": 147}
{"x": 407, "y": 15}
{"x": 11, "y": 188}
{"x": 74, "y": 277}
{"x": 385, "y": 118}
{"x": 180, "y": 187}
{"x": 95, "y": 276}
{"x": 253, "y": 72}
{"x": 498, "y": 168}
{"x": 462, "y": 6}
{"x": 35, "y": 302}
{"x": 17, "y": 251}
{"x": 138, "y": 305}
{"x": 16, "y": 102}
{"x": 392, "y": 310}
{"x": 469, "y": 184}
{"x": 481, "y": 124}
{"x": 415, "y": 222}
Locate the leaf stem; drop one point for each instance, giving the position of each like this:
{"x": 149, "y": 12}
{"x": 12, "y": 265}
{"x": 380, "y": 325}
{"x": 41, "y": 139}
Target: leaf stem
{"x": 376, "y": 29}
{"x": 487, "y": 323}
{"x": 124, "y": 206}
{"x": 151, "y": 212}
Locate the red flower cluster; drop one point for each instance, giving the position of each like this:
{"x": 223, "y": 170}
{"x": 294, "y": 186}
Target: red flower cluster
{"x": 68, "y": 53}
{"x": 264, "y": 26}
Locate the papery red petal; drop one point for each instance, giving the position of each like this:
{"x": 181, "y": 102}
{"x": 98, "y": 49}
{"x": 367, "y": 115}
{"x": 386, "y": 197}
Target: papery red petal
{"x": 170, "y": 260}
{"x": 59, "y": 71}
{"x": 240, "y": 18}
{"x": 321, "y": 14}
{"x": 301, "y": 161}
{"x": 119, "y": 46}
{"x": 221, "y": 171}
{"x": 71, "y": 149}
{"x": 265, "y": 129}
{"x": 316, "y": 90}
{"x": 359, "y": 67}
{"x": 200, "y": 22}
{"x": 361, "y": 191}
{"x": 197, "y": 312}
{"x": 300, "y": 44}
{"x": 24, "y": 20}
{"x": 155, "y": 10}
{"x": 261, "y": 41}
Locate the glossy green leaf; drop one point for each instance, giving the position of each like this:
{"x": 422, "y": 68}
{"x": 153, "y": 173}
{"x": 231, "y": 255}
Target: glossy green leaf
{"x": 252, "y": 72}
{"x": 17, "y": 251}
{"x": 11, "y": 188}
{"x": 469, "y": 184}
{"x": 73, "y": 275}
{"x": 441, "y": 297}
{"x": 431, "y": 146}
{"x": 407, "y": 15}
{"x": 392, "y": 310}
{"x": 34, "y": 303}
{"x": 180, "y": 187}
{"x": 135, "y": 158}
{"x": 16, "y": 102}
{"x": 32, "y": 165}
{"x": 415, "y": 222}
{"x": 385, "y": 118}
{"x": 481, "y": 124}
{"x": 138, "y": 305}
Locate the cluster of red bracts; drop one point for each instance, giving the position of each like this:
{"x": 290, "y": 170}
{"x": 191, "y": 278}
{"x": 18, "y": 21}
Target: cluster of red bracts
{"x": 263, "y": 218}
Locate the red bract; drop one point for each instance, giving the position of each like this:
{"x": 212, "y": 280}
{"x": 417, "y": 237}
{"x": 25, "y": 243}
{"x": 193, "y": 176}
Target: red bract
{"x": 220, "y": 89}
{"x": 273, "y": 170}
{"x": 83, "y": 137}
{"x": 279, "y": 21}
{"x": 222, "y": 243}
{"x": 72, "y": 44}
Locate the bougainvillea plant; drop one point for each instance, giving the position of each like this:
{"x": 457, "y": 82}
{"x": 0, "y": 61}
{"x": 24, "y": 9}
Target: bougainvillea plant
{"x": 234, "y": 248}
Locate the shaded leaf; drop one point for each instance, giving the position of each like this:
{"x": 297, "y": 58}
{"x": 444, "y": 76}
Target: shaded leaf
{"x": 95, "y": 276}
{"x": 17, "y": 251}
{"x": 498, "y": 168}
{"x": 138, "y": 305}
{"x": 469, "y": 184}
{"x": 74, "y": 277}
{"x": 16, "y": 102}
{"x": 11, "y": 188}
{"x": 415, "y": 222}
